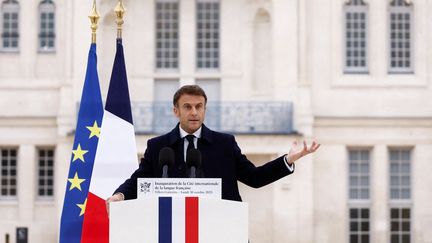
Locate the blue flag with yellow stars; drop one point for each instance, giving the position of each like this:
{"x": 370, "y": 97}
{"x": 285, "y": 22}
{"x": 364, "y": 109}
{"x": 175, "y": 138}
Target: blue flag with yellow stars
{"x": 83, "y": 154}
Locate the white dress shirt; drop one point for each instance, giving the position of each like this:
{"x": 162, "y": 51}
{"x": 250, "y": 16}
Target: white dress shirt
{"x": 183, "y": 134}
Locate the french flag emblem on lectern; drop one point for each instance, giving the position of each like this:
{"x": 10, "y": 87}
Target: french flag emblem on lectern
{"x": 178, "y": 220}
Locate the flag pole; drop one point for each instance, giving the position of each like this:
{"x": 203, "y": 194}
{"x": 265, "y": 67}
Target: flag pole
{"x": 119, "y": 11}
{"x": 94, "y": 18}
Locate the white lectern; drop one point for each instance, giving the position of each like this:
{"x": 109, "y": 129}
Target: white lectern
{"x": 178, "y": 220}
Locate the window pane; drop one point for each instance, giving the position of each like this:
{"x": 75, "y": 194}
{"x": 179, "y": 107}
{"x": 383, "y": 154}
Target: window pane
{"x": 364, "y": 193}
{"x": 365, "y": 239}
{"x": 405, "y": 226}
{"x": 405, "y": 194}
{"x": 365, "y": 213}
{"x": 394, "y": 213}
{"x": 354, "y": 239}
{"x": 354, "y": 226}
{"x": 394, "y": 239}
{"x": 354, "y": 213}
{"x": 394, "y": 226}
{"x": 405, "y": 213}
{"x": 365, "y": 226}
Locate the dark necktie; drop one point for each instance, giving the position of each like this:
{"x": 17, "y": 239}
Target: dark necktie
{"x": 190, "y": 139}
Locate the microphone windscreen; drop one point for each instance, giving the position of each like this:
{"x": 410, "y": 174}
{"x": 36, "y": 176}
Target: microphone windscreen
{"x": 166, "y": 157}
{"x": 193, "y": 158}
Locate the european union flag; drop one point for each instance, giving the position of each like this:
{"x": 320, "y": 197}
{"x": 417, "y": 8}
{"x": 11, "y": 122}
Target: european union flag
{"x": 83, "y": 154}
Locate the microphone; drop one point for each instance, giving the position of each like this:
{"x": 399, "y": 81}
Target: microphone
{"x": 193, "y": 161}
{"x": 166, "y": 160}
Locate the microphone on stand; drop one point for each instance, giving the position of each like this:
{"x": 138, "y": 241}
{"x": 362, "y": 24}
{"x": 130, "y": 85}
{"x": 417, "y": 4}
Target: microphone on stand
{"x": 193, "y": 161}
{"x": 166, "y": 160}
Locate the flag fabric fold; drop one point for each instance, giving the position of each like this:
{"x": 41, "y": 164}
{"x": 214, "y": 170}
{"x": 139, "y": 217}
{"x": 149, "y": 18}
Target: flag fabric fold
{"x": 83, "y": 154}
{"x": 116, "y": 156}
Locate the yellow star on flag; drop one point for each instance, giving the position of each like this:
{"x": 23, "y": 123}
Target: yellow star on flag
{"x": 75, "y": 182}
{"x": 94, "y": 130}
{"x": 83, "y": 207}
{"x": 79, "y": 153}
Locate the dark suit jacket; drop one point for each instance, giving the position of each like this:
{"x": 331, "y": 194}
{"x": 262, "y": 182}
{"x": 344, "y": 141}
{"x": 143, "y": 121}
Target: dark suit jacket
{"x": 221, "y": 158}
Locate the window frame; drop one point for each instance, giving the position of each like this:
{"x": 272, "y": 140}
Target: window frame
{"x": 400, "y": 203}
{"x": 200, "y": 53}
{"x": 9, "y": 197}
{"x": 47, "y": 7}
{"x": 359, "y": 7}
{"x": 404, "y": 201}
{"x": 10, "y": 7}
{"x": 400, "y": 220}
{"x": 359, "y": 220}
{"x": 173, "y": 62}
{"x": 400, "y": 7}
{"x": 359, "y": 203}
{"x": 38, "y": 176}
{"x": 359, "y": 200}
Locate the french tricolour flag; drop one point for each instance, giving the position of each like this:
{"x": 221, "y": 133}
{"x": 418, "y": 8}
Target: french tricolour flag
{"x": 179, "y": 220}
{"x": 116, "y": 155}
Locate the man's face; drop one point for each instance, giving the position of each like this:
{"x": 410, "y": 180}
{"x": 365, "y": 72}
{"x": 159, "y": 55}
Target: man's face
{"x": 190, "y": 110}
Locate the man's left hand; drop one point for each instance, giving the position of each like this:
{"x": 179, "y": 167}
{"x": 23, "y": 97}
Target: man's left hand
{"x": 296, "y": 152}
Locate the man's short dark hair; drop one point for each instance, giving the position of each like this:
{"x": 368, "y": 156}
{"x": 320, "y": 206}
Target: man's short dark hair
{"x": 190, "y": 90}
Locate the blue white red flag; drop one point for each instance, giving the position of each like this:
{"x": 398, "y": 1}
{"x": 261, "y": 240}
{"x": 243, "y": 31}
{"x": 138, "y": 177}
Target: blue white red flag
{"x": 83, "y": 154}
{"x": 116, "y": 157}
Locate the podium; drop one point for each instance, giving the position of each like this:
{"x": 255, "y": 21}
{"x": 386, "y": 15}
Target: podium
{"x": 178, "y": 220}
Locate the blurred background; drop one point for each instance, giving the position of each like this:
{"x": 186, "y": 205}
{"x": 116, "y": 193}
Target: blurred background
{"x": 353, "y": 74}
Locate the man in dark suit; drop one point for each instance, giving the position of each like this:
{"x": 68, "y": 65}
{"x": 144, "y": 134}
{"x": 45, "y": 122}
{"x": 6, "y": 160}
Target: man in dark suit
{"x": 221, "y": 156}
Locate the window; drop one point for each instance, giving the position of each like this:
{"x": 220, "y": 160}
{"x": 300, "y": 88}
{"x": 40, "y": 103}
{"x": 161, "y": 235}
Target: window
{"x": 400, "y": 174}
{"x": 167, "y": 34}
{"x": 400, "y": 37}
{"x": 400, "y": 195}
{"x": 359, "y": 195}
{"x": 8, "y": 174}
{"x": 9, "y": 25}
{"x": 400, "y": 225}
{"x": 356, "y": 55}
{"x": 45, "y": 170}
{"x": 359, "y": 174}
{"x": 47, "y": 26}
{"x": 207, "y": 42}
{"x": 359, "y": 225}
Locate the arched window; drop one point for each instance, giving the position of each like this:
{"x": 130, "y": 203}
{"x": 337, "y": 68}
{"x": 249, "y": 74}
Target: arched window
{"x": 356, "y": 42}
{"x": 46, "y": 26}
{"x": 10, "y": 26}
{"x": 400, "y": 38}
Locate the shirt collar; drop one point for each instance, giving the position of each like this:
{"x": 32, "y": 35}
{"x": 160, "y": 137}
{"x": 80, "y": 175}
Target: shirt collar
{"x": 197, "y": 133}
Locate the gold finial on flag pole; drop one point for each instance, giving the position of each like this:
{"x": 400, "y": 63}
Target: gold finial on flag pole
{"x": 119, "y": 11}
{"x": 94, "y": 17}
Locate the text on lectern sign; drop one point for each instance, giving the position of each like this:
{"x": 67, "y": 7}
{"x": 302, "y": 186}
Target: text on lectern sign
{"x": 180, "y": 187}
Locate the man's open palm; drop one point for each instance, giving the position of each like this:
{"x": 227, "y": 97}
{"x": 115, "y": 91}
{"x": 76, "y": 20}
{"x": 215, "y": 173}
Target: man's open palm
{"x": 296, "y": 151}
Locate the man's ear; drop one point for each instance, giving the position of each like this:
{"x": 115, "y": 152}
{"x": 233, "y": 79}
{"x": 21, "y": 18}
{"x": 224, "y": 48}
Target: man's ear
{"x": 176, "y": 111}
